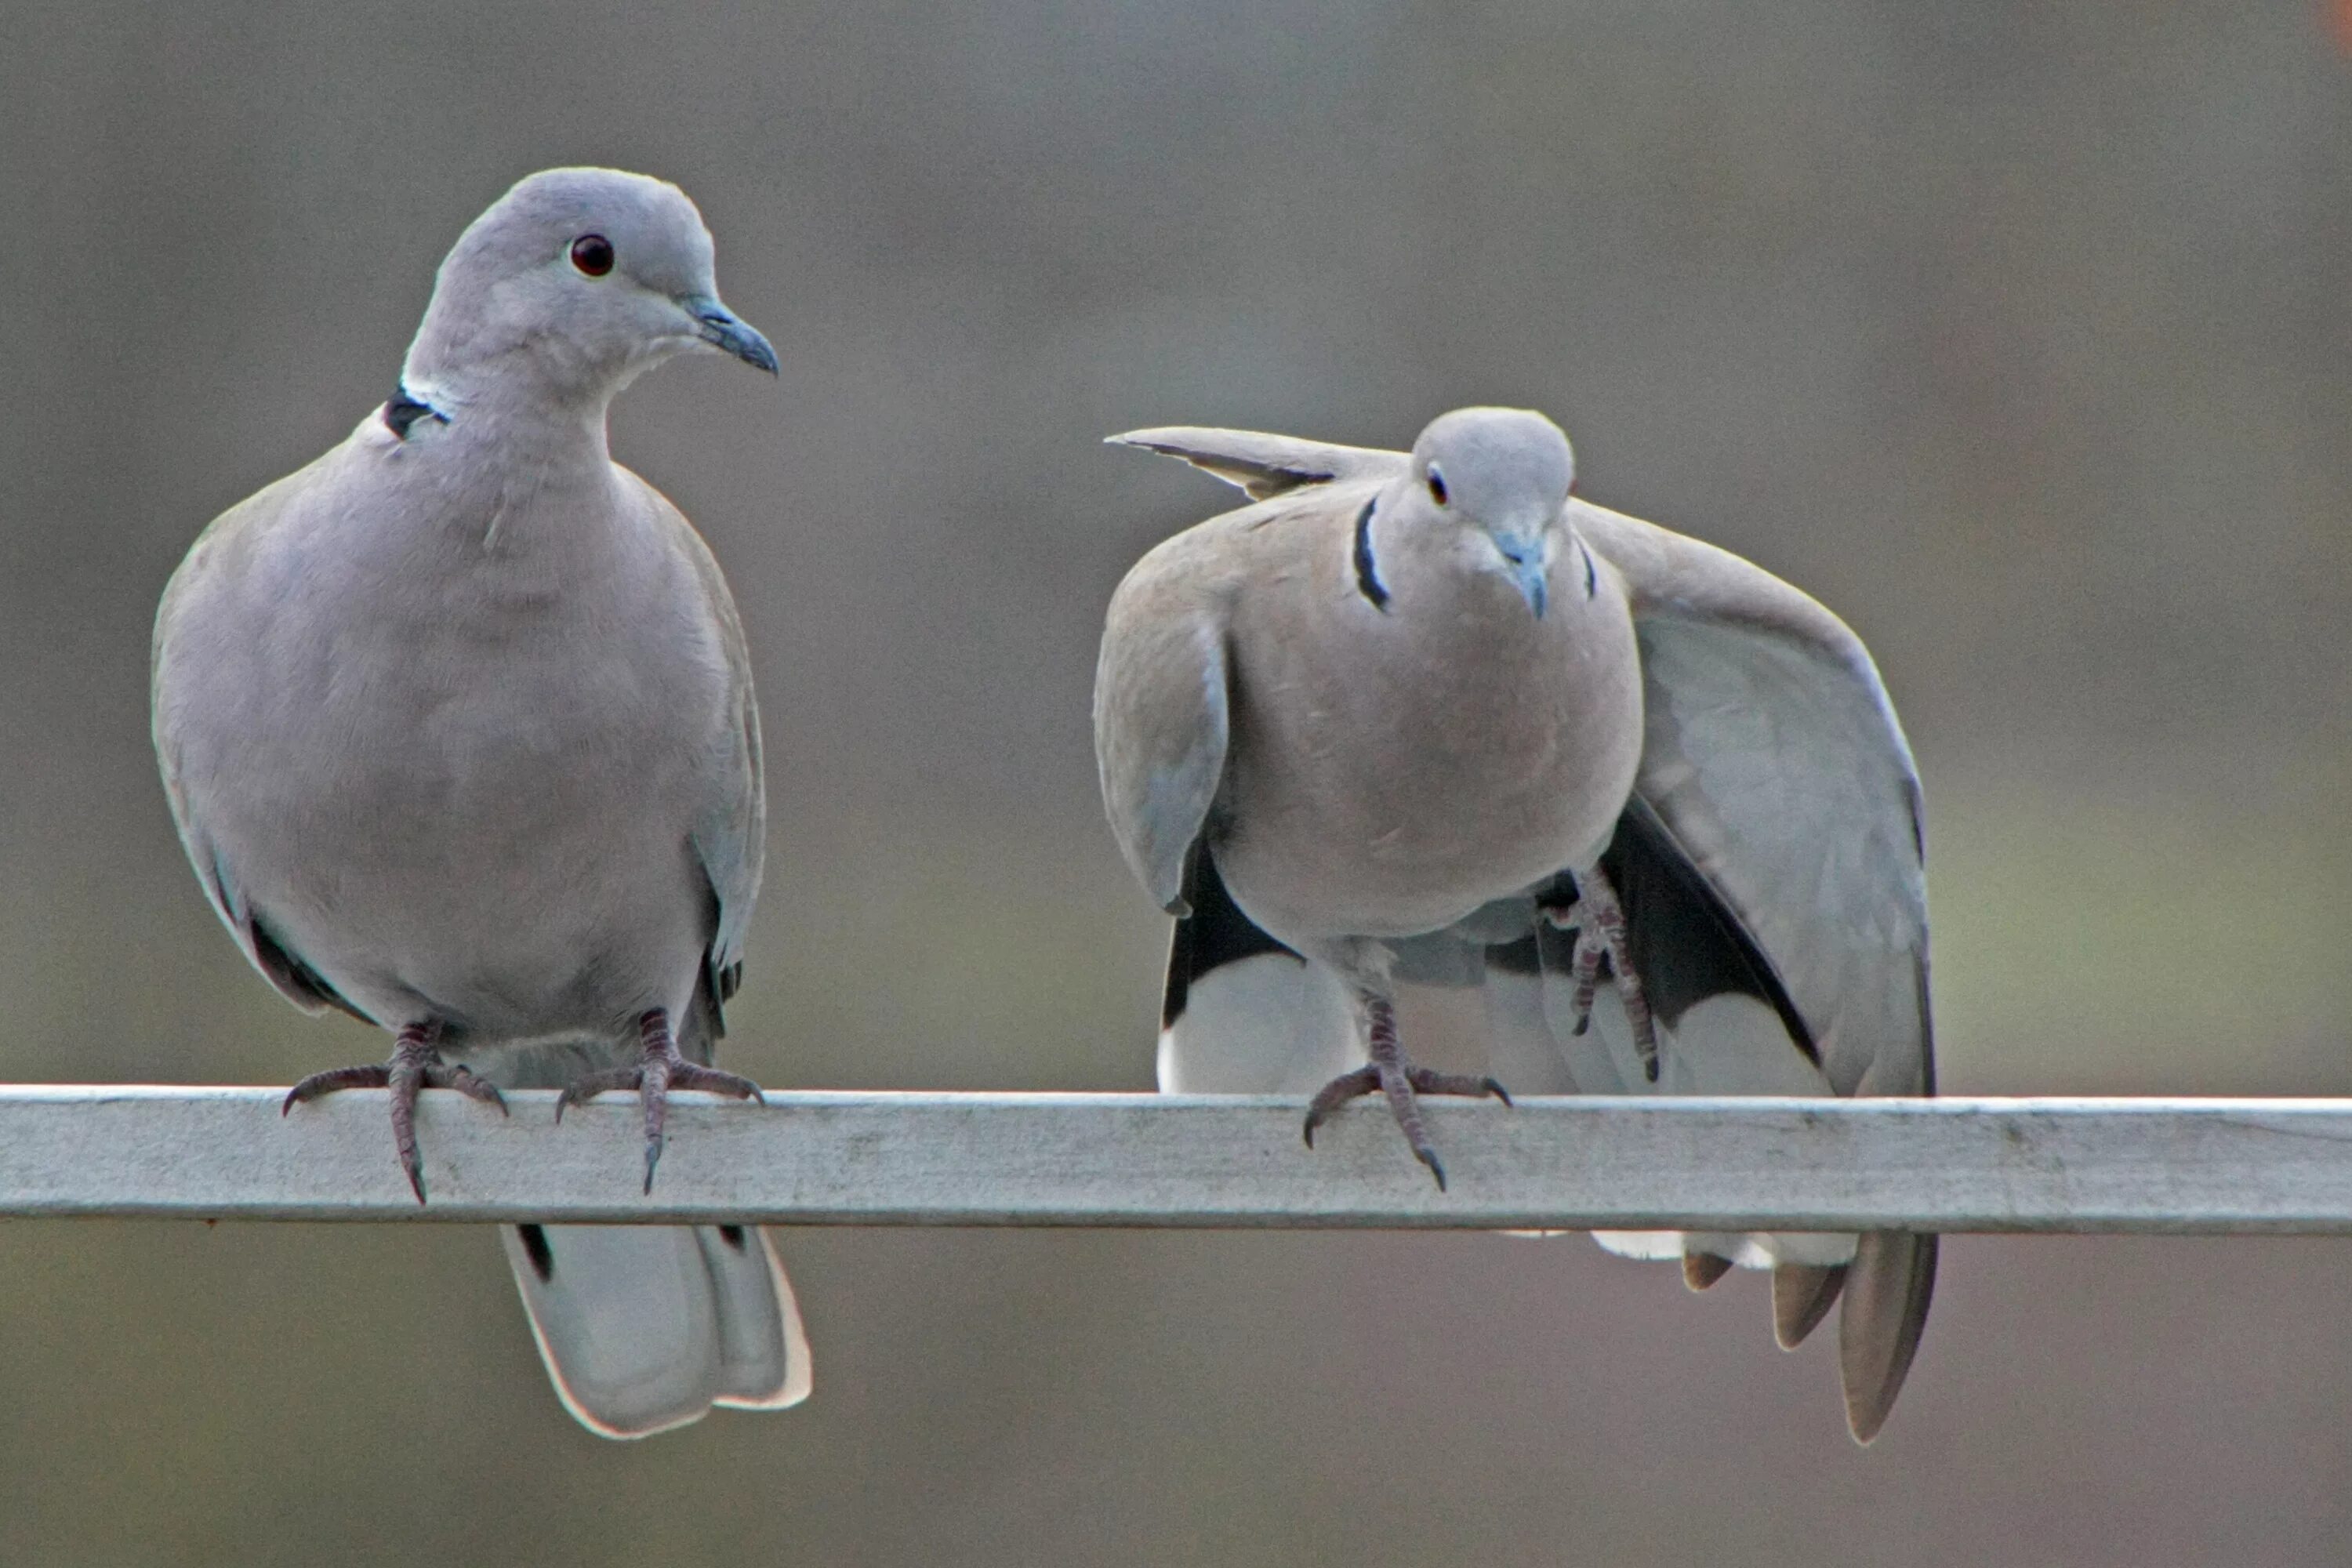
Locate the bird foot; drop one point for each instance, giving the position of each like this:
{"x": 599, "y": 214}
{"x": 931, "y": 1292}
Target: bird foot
{"x": 659, "y": 1070}
{"x": 415, "y": 1065}
{"x": 1598, "y": 919}
{"x": 1390, "y": 1074}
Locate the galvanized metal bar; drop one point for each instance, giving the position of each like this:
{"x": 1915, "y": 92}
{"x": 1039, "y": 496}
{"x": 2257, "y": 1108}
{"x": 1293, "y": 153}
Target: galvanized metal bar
{"x": 2053, "y": 1165}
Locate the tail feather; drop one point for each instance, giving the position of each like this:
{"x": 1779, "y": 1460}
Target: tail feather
{"x": 1701, "y": 1269}
{"x": 645, "y": 1328}
{"x": 1886, "y": 1296}
{"x": 763, "y": 1351}
{"x": 1802, "y": 1295}
{"x": 1727, "y": 1025}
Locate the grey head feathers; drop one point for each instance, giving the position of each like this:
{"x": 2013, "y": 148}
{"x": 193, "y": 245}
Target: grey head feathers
{"x": 1498, "y": 466}
{"x": 1500, "y": 477}
{"x": 573, "y": 284}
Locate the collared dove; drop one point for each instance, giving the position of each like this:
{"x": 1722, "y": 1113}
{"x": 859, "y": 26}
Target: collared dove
{"x": 457, "y": 727}
{"x": 1428, "y": 718}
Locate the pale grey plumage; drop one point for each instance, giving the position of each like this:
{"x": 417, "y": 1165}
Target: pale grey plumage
{"x": 457, "y": 726}
{"x": 1768, "y": 845}
{"x": 1353, "y": 655}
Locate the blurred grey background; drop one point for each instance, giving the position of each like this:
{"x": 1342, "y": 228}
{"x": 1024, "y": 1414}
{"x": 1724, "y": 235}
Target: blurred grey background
{"x": 2016, "y": 333}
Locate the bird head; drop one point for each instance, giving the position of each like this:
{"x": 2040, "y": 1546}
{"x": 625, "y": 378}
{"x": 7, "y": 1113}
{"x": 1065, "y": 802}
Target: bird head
{"x": 1501, "y": 477}
{"x": 580, "y": 280}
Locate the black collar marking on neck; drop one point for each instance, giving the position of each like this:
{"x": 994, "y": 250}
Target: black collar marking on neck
{"x": 401, "y": 411}
{"x": 1592, "y": 585}
{"x": 1368, "y": 576}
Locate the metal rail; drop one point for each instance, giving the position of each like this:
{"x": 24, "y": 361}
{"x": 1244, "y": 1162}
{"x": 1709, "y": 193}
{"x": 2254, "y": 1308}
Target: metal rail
{"x": 1952, "y": 1165}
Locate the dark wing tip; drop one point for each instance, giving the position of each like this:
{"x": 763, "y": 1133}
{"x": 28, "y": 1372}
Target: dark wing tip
{"x": 1220, "y": 454}
{"x": 1210, "y": 933}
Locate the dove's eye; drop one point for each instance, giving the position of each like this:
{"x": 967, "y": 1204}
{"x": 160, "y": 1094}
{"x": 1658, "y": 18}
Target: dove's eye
{"x": 592, "y": 254}
{"x": 1436, "y": 486}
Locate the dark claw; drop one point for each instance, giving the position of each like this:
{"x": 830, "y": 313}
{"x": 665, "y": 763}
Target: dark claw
{"x": 1347, "y": 1086}
{"x": 660, "y": 1069}
{"x": 581, "y": 1090}
{"x": 710, "y": 1080}
{"x": 1600, "y": 947}
{"x": 415, "y": 1065}
{"x": 1390, "y": 1074}
{"x": 475, "y": 1087}
{"x": 375, "y": 1075}
{"x": 1426, "y": 1080}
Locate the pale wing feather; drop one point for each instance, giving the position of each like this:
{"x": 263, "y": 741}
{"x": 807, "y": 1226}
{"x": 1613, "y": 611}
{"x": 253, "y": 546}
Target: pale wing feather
{"x": 1264, "y": 465}
{"x": 729, "y": 832}
{"x": 1161, "y": 717}
{"x": 1269, "y": 1023}
{"x": 1161, "y": 703}
{"x": 1775, "y": 756}
{"x": 229, "y": 535}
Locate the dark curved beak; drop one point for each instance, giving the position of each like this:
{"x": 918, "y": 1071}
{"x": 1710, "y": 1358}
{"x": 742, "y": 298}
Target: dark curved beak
{"x": 723, "y": 330}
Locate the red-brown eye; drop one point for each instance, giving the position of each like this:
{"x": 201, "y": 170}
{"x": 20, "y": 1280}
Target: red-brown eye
{"x": 1436, "y": 485}
{"x": 592, "y": 254}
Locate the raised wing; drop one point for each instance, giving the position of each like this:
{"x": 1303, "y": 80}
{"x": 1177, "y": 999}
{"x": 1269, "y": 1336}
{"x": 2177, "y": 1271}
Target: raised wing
{"x": 1774, "y": 759}
{"x": 1264, "y": 465}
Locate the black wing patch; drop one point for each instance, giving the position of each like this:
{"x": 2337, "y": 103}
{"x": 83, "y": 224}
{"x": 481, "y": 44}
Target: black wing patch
{"x": 1214, "y": 934}
{"x": 535, "y": 1248}
{"x": 294, "y": 976}
{"x": 1258, "y": 480}
{"x": 1688, "y": 943}
{"x": 1273, "y": 480}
